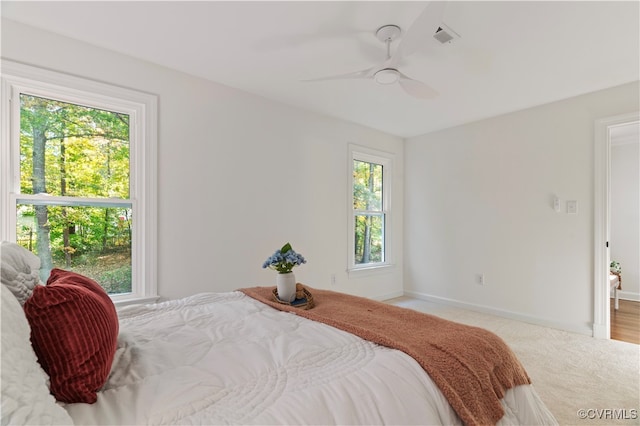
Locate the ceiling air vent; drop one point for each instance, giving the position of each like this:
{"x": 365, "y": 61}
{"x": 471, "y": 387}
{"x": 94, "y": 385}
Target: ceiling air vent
{"x": 445, "y": 34}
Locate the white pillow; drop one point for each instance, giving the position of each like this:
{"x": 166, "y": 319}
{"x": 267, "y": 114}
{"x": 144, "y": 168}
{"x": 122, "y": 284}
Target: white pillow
{"x": 19, "y": 270}
{"x": 25, "y": 392}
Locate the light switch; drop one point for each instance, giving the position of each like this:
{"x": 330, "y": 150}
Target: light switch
{"x": 572, "y": 207}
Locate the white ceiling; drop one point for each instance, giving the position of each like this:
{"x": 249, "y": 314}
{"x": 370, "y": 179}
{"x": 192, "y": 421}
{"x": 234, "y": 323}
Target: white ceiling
{"x": 511, "y": 54}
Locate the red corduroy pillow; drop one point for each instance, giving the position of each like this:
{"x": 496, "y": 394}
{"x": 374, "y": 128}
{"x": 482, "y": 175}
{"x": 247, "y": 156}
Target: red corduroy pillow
{"x": 74, "y": 332}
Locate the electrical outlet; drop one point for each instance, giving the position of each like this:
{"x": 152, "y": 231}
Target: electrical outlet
{"x": 480, "y": 279}
{"x": 333, "y": 279}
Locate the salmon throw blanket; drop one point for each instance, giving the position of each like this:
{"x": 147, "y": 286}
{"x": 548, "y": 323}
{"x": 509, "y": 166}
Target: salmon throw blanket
{"x": 472, "y": 366}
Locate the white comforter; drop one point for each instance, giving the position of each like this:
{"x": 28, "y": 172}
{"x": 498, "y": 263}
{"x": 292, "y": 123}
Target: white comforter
{"x": 227, "y": 359}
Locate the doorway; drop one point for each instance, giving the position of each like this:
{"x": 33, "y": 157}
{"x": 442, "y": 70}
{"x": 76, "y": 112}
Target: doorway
{"x": 604, "y": 128}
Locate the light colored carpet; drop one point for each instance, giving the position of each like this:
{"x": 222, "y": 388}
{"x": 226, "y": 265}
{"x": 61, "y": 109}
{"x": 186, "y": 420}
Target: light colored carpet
{"x": 570, "y": 371}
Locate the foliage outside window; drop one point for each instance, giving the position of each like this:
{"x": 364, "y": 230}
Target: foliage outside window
{"x": 370, "y": 203}
{"x": 71, "y": 151}
{"x": 76, "y": 190}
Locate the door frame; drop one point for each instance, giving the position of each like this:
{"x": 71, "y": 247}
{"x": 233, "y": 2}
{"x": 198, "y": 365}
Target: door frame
{"x": 602, "y": 218}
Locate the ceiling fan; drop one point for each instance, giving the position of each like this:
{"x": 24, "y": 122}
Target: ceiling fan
{"x": 423, "y": 28}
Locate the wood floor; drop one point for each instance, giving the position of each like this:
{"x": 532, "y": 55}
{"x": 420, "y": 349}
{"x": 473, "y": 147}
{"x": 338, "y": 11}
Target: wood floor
{"x": 625, "y": 322}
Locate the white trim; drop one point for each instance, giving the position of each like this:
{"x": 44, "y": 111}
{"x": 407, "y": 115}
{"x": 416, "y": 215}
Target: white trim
{"x": 627, "y": 295}
{"x": 601, "y": 219}
{"x": 574, "y": 328}
{"x": 388, "y": 296}
{"x": 120, "y": 300}
{"x": 631, "y": 140}
{"x": 51, "y": 200}
{"x": 628, "y": 137}
{"x": 370, "y": 270}
{"x": 141, "y": 107}
{"x": 6, "y": 126}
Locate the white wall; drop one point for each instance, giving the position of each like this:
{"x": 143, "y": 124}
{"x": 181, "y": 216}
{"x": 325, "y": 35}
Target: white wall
{"x": 479, "y": 200}
{"x": 238, "y": 175}
{"x": 625, "y": 214}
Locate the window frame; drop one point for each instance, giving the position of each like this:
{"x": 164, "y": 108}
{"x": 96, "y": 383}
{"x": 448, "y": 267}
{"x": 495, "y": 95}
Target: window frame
{"x": 364, "y": 154}
{"x": 142, "y": 110}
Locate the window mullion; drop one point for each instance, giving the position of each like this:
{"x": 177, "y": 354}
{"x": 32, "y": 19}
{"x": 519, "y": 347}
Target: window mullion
{"x": 47, "y": 200}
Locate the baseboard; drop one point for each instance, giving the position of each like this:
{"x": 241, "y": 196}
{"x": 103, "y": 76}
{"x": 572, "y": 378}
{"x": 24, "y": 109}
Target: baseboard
{"x": 627, "y": 295}
{"x": 600, "y": 331}
{"x": 574, "y": 328}
{"x": 388, "y": 296}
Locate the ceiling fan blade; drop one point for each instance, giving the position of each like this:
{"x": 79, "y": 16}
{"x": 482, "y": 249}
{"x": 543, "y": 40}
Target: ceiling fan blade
{"x": 420, "y": 32}
{"x": 368, "y": 73}
{"x": 416, "y": 88}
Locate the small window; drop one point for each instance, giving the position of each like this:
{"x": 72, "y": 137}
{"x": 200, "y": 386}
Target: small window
{"x": 369, "y": 209}
{"x": 78, "y": 184}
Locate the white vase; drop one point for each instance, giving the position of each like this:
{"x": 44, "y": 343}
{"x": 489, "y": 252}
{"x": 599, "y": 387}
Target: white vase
{"x": 286, "y": 285}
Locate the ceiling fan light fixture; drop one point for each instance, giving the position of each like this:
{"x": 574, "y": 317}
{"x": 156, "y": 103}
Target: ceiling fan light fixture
{"x": 387, "y": 76}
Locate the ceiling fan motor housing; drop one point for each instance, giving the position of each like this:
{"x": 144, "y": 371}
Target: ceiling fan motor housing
{"x": 387, "y": 76}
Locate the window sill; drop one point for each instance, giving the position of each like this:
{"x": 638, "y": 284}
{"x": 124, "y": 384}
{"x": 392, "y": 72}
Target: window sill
{"x": 365, "y": 271}
{"x": 119, "y": 303}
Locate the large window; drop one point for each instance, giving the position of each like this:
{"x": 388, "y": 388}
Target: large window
{"x": 370, "y": 203}
{"x": 79, "y": 183}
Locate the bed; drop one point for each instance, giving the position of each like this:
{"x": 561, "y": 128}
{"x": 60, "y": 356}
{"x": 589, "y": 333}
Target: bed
{"x": 230, "y": 358}
{"x": 615, "y": 283}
